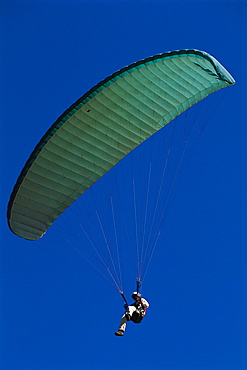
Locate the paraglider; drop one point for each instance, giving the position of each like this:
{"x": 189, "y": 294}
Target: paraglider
{"x": 135, "y": 312}
{"x": 99, "y": 130}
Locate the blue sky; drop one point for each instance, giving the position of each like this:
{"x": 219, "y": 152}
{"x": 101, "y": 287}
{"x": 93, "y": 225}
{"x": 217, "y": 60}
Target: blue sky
{"x": 56, "y": 313}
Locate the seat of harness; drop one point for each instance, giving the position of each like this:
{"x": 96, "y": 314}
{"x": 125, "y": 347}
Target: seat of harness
{"x": 137, "y": 316}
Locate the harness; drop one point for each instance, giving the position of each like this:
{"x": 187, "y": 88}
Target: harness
{"x": 138, "y": 314}
{"x": 140, "y": 311}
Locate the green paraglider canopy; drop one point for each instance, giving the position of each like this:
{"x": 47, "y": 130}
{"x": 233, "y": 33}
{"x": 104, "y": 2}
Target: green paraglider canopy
{"x": 102, "y": 127}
